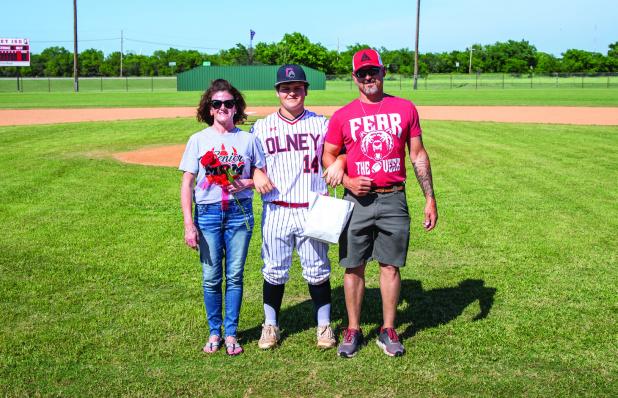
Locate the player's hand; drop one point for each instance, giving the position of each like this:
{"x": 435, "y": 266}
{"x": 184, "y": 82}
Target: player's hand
{"x": 333, "y": 175}
{"x": 431, "y": 215}
{"x": 359, "y": 186}
{"x": 191, "y": 236}
{"x": 262, "y": 183}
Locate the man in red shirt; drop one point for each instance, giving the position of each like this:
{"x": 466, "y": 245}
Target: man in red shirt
{"x": 375, "y": 130}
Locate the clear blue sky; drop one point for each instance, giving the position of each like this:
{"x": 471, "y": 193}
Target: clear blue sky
{"x": 553, "y": 26}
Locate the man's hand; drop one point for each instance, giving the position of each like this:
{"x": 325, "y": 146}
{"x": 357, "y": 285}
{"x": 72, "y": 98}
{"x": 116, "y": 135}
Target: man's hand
{"x": 191, "y": 236}
{"x": 422, "y": 170}
{"x": 359, "y": 186}
{"x": 431, "y": 214}
{"x": 262, "y": 183}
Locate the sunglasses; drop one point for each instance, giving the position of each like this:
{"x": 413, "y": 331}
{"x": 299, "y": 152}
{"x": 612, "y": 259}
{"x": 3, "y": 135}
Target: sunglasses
{"x": 362, "y": 73}
{"x": 229, "y": 104}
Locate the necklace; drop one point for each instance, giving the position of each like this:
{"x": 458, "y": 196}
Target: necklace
{"x": 379, "y": 108}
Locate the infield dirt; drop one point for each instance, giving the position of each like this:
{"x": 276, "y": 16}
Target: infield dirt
{"x": 514, "y": 114}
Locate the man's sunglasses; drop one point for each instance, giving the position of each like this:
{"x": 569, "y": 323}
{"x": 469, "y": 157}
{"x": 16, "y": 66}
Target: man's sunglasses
{"x": 362, "y": 73}
{"x": 229, "y": 104}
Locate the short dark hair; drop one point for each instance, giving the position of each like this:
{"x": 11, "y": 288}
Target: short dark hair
{"x": 203, "y": 109}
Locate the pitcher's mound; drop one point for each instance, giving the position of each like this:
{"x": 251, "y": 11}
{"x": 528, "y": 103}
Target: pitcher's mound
{"x": 160, "y": 156}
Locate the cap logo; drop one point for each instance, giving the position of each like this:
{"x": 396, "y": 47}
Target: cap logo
{"x": 365, "y": 57}
{"x": 289, "y": 73}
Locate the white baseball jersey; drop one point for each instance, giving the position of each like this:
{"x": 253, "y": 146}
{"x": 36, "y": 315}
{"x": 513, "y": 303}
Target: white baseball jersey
{"x": 293, "y": 149}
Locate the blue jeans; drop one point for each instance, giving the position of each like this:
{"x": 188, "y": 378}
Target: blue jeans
{"x": 223, "y": 233}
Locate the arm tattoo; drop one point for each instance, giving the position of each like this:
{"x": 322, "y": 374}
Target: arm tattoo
{"x": 422, "y": 170}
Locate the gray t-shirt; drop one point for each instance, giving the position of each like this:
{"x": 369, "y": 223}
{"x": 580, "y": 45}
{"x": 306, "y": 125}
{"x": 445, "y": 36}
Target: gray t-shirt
{"x": 237, "y": 150}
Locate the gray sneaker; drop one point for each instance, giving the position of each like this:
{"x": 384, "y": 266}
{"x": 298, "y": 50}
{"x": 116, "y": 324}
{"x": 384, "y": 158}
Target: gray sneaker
{"x": 350, "y": 344}
{"x": 388, "y": 341}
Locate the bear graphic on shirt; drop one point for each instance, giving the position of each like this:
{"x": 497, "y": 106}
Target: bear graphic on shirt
{"x": 376, "y": 135}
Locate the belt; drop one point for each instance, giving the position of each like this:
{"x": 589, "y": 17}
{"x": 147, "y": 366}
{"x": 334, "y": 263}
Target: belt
{"x": 289, "y": 205}
{"x": 389, "y": 189}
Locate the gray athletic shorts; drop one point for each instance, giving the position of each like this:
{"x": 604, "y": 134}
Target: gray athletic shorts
{"x": 379, "y": 229}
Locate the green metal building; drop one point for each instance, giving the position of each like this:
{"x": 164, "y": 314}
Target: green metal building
{"x": 258, "y": 77}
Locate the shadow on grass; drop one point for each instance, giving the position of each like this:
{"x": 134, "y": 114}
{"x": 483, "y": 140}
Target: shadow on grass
{"x": 424, "y": 309}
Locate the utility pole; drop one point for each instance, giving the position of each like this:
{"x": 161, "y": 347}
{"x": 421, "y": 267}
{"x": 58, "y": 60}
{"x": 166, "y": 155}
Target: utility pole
{"x": 251, "y": 34}
{"x": 75, "y": 71}
{"x": 418, "y": 14}
{"x": 470, "y": 63}
{"x": 121, "y": 51}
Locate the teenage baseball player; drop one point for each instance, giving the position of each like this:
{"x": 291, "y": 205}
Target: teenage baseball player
{"x": 292, "y": 140}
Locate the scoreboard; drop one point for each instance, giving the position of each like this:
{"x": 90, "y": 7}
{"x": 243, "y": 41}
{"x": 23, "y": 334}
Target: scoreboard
{"x": 14, "y": 52}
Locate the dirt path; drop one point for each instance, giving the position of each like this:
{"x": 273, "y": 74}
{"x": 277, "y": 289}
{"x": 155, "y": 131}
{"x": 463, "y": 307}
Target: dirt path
{"x": 516, "y": 114}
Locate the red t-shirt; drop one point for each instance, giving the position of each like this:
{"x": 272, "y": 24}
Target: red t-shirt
{"x": 375, "y": 138}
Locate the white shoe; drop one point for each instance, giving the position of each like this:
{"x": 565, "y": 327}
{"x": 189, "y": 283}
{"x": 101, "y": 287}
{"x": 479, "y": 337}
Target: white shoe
{"x": 270, "y": 337}
{"x": 326, "y": 337}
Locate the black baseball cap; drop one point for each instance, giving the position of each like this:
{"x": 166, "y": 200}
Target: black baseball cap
{"x": 291, "y": 73}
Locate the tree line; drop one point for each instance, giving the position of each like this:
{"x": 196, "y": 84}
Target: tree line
{"x": 515, "y": 57}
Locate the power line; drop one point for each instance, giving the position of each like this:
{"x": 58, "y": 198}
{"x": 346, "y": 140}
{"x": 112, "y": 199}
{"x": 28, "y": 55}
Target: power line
{"x": 170, "y": 44}
{"x": 127, "y": 39}
{"x": 70, "y": 41}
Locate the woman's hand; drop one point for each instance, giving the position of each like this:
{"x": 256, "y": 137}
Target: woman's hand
{"x": 191, "y": 236}
{"x": 186, "y": 202}
{"x": 239, "y": 185}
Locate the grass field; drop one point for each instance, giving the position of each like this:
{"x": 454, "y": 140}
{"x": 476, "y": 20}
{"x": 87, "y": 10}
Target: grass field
{"x": 339, "y": 94}
{"x": 514, "y": 293}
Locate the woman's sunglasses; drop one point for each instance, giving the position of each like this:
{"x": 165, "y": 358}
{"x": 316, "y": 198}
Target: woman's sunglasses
{"x": 362, "y": 73}
{"x": 229, "y": 104}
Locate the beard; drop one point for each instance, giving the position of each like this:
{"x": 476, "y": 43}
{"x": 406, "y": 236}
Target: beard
{"x": 370, "y": 90}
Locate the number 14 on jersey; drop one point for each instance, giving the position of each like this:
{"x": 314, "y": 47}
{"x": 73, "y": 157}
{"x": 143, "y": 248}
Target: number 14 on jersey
{"x": 311, "y": 167}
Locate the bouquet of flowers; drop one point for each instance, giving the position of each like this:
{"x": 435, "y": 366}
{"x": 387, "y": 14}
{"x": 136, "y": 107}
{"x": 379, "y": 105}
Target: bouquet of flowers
{"x": 223, "y": 176}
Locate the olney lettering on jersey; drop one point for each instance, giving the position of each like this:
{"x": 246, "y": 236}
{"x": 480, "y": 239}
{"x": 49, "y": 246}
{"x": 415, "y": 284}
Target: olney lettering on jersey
{"x": 290, "y": 142}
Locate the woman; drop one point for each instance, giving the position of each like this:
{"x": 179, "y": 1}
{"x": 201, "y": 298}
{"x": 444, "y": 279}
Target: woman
{"x": 217, "y": 165}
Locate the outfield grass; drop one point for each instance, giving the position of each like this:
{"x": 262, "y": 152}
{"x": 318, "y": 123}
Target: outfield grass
{"x": 337, "y": 93}
{"x": 513, "y": 294}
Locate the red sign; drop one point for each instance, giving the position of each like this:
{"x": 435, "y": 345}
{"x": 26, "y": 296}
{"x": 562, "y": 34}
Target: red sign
{"x": 14, "y": 52}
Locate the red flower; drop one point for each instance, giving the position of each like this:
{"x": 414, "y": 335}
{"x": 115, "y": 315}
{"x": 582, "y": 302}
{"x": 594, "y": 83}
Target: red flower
{"x": 218, "y": 179}
{"x": 210, "y": 159}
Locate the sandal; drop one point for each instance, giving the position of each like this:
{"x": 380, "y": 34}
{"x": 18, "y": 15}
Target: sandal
{"x": 213, "y": 346}
{"x": 233, "y": 348}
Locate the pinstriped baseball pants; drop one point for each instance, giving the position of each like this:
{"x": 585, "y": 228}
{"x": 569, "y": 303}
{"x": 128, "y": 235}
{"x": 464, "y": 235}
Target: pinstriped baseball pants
{"x": 282, "y": 230}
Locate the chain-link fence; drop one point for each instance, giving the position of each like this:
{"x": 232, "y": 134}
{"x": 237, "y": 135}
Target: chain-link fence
{"x": 333, "y": 82}
{"x": 88, "y": 84}
{"x": 486, "y": 80}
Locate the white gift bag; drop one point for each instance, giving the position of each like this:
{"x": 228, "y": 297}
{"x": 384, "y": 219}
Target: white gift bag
{"x": 327, "y": 217}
